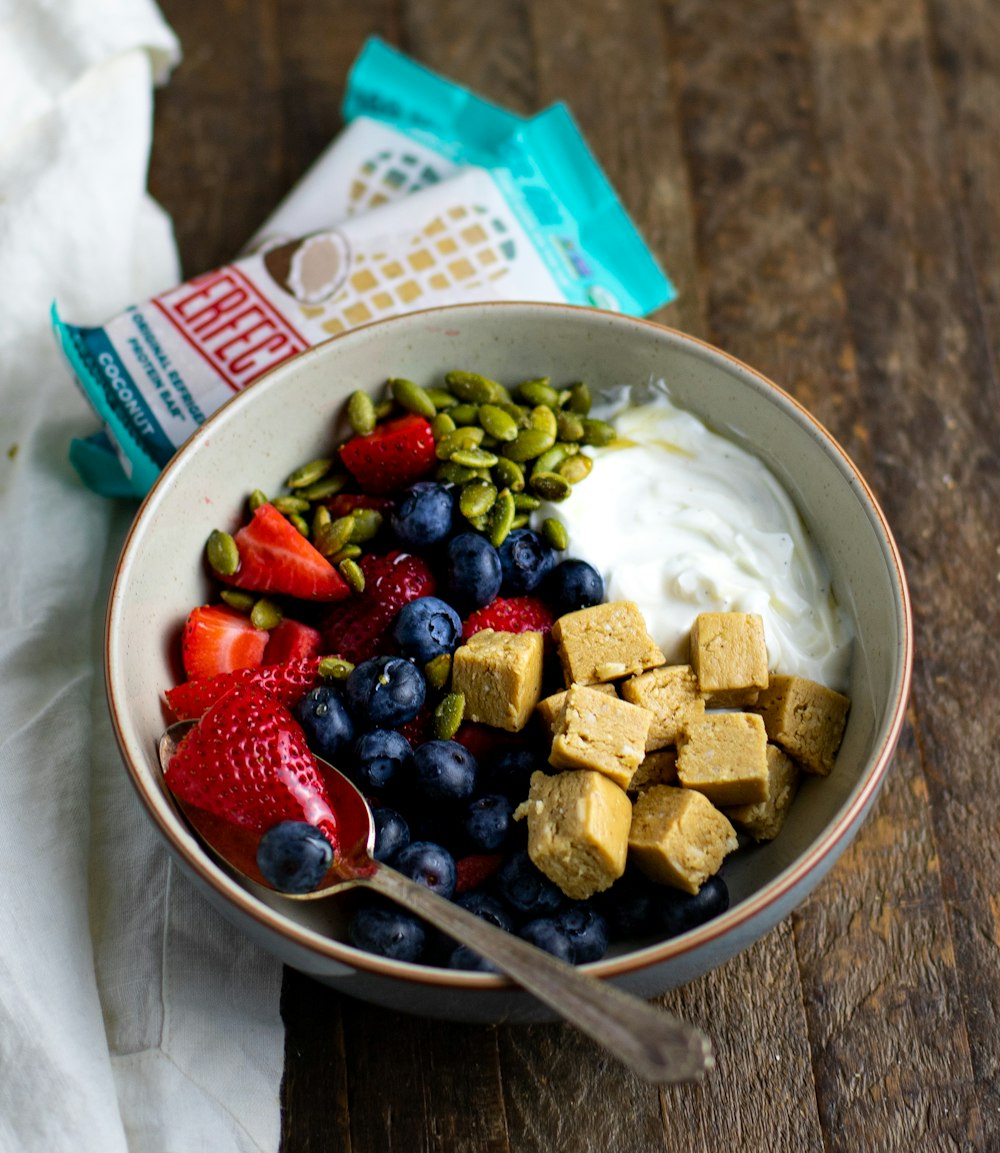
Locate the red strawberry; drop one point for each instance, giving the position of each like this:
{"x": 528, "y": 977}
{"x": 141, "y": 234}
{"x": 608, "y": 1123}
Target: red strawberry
{"x": 523, "y": 614}
{"x": 397, "y": 453}
{"x": 475, "y": 870}
{"x": 244, "y": 768}
{"x": 346, "y": 502}
{"x": 359, "y": 628}
{"x": 287, "y": 683}
{"x": 276, "y": 557}
{"x": 485, "y": 742}
{"x": 217, "y": 639}
{"x": 419, "y": 729}
{"x": 291, "y": 641}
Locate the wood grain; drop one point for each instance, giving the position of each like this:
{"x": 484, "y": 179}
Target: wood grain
{"x": 820, "y": 182}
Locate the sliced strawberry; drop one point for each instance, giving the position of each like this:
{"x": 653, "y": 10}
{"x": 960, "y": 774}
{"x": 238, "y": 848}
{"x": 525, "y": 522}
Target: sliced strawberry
{"x": 291, "y": 641}
{"x": 287, "y": 683}
{"x": 359, "y": 628}
{"x": 246, "y": 765}
{"x": 346, "y": 502}
{"x": 275, "y": 557}
{"x": 475, "y": 870}
{"x": 523, "y": 614}
{"x": 397, "y": 453}
{"x": 217, "y": 639}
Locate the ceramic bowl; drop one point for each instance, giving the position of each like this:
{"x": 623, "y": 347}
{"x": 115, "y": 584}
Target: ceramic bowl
{"x": 287, "y": 417}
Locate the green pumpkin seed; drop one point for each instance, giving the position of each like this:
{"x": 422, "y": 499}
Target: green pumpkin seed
{"x": 544, "y": 419}
{"x": 367, "y": 522}
{"x": 441, "y": 425}
{"x": 310, "y": 473}
{"x": 438, "y": 670}
{"x": 474, "y": 457}
{"x": 412, "y": 397}
{"x": 580, "y": 399}
{"x": 569, "y": 426}
{"x": 265, "y": 614}
{"x": 508, "y": 474}
{"x": 384, "y": 409}
{"x": 500, "y": 517}
{"x": 448, "y": 716}
{"x": 470, "y": 386}
{"x": 348, "y": 552}
{"x": 480, "y": 523}
{"x": 535, "y": 392}
{"x": 354, "y": 578}
{"x": 256, "y": 499}
{"x": 441, "y": 397}
{"x": 335, "y": 669}
{"x": 518, "y": 412}
{"x": 222, "y": 552}
{"x": 497, "y": 423}
{"x": 554, "y": 532}
{"x": 575, "y": 468}
{"x": 332, "y": 536}
{"x": 551, "y": 459}
{"x": 531, "y": 442}
{"x": 290, "y": 504}
{"x": 463, "y": 414}
{"x": 597, "y": 432}
{"x": 550, "y": 486}
{"x": 476, "y": 498}
{"x": 521, "y": 520}
{"x": 524, "y": 502}
{"x": 299, "y": 522}
{"x": 321, "y": 517}
{"x": 328, "y": 486}
{"x": 239, "y": 600}
{"x": 361, "y": 412}
{"x": 458, "y": 440}
{"x": 450, "y": 473}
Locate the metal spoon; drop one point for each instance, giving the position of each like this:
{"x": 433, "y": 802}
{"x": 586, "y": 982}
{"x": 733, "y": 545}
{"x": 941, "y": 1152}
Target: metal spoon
{"x": 657, "y": 1046}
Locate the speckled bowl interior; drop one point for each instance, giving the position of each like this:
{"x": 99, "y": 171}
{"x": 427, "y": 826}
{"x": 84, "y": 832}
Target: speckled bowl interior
{"x": 290, "y": 416}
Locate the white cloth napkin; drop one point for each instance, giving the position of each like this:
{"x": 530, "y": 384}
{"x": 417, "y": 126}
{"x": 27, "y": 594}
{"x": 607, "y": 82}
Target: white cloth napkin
{"x": 132, "y": 1018}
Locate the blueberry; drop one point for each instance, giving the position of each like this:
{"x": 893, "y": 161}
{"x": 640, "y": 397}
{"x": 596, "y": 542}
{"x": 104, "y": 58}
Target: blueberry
{"x": 445, "y": 771}
{"x": 293, "y": 856}
{"x": 572, "y": 585}
{"x": 389, "y": 932}
{"x": 384, "y": 692}
{"x": 524, "y": 560}
{"x": 526, "y": 888}
{"x": 682, "y": 911}
{"x": 510, "y": 773}
{"x": 424, "y": 515}
{"x": 380, "y": 757}
{"x": 474, "y": 572}
{"x": 546, "y": 933}
{"x": 392, "y": 834}
{"x": 427, "y": 627}
{"x": 587, "y": 930}
{"x": 462, "y": 957}
{"x": 487, "y": 907}
{"x": 325, "y": 721}
{"x": 486, "y": 822}
{"x": 428, "y": 864}
{"x": 633, "y": 906}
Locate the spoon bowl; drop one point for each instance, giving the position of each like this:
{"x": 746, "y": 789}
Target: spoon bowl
{"x": 657, "y": 1046}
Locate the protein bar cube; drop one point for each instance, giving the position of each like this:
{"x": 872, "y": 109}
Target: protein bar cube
{"x": 678, "y": 837}
{"x": 672, "y": 695}
{"x": 501, "y": 677}
{"x": 763, "y": 821}
{"x": 604, "y": 643}
{"x": 729, "y": 657}
{"x": 724, "y": 756}
{"x": 600, "y": 732}
{"x": 807, "y": 719}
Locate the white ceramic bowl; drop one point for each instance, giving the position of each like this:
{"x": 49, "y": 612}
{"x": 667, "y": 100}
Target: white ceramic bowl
{"x": 287, "y": 417}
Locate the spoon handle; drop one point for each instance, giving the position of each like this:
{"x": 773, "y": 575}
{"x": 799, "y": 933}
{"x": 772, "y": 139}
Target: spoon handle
{"x": 657, "y": 1046}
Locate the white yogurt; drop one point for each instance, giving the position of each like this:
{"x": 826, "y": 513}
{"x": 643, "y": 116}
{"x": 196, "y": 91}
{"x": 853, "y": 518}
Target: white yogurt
{"x": 682, "y": 521}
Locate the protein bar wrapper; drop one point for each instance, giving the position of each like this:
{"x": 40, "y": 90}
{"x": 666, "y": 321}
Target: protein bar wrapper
{"x": 545, "y": 225}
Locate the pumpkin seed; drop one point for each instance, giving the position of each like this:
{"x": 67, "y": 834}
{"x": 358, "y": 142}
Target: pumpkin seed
{"x": 265, "y": 614}
{"x": 550, "y": 486}
{"x": 474, "y": 457}
{"x": 508, "y": 474}
{"x": 335, "y": 669}
{"x": 256, "y": 499}
{"x": 524, "y": 502}
{"x": 521, "y": 520}
{"x": 441, "y": 425}
{"x": 328, "y": 486}
{"x": 299, "y": 523}
{"x": 597, "y": 432}
{"x": 470, "y": 386}
{"x": 321, "y": 517}
{"x": 383, "y": 409}
{"x": 459, "y": 439}
{"x": 448, "y": 716}
{"x": 551, "y": 459}
{"x": 465, "y": 413}
{"x": 569, "y": 426}
{"x": 361, "y": 412}
{"x": 497, "y": 422}
{"x": 438, "y": 670}
{"x": 519, "y": 412}
{"x": 450, "y": 473}
{"x": 580, "y": 399}
{"x": 476, "y": 498}
{"x": 354, "y": 578}
{"x": 367, "y": 522}
{"x": 332, "y": 537}
{"x": 222, "y": 552}
{"x": 309, "y": 473}
{"x": 239, "y": 600}
{"x": 500, "y": 517}
{"x": 441, "y": 397}
{"x": 412, "y": 397}
{"x": 535, "y": 392}
{"x": 290, "y": 504}
{"x": 531, "y": 442}
{"x": 544, "y": 419}
{"x": 554, "y": 531}
{"x": 348, "y": 552}
{"x": 575, "y": 468}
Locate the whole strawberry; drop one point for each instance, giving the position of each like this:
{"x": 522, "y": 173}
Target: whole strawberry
{"x": 511, "y": 615}
{"x": 397, "y": 453}
{"x": 244, "y": 768}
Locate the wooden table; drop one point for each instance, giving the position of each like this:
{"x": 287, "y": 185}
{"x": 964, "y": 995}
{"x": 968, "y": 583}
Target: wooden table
{"x": 821, "y": 182}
